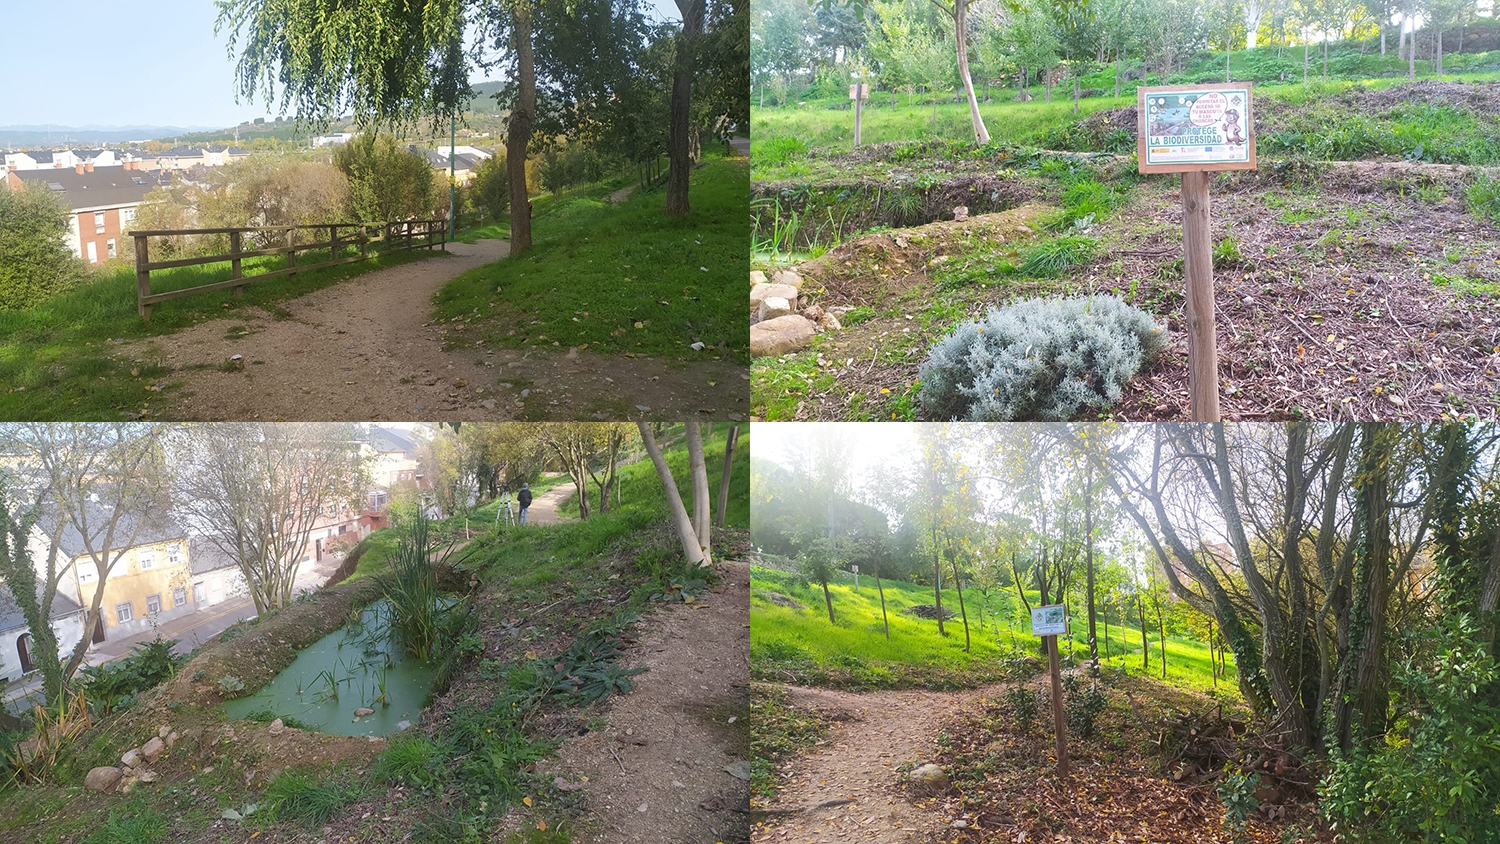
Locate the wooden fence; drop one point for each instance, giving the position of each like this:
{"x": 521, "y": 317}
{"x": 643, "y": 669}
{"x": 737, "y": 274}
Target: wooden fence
{"x": 398, "y": 236}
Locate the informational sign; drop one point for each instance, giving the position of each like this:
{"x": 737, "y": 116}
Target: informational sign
{"x": 859, "y": 92}
{"x": 1049, "y": 621}
{"x": 1195, "y": 127}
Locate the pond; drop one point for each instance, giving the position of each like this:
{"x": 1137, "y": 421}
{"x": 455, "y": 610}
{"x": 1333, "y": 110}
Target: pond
{"x": 358, "y": 666}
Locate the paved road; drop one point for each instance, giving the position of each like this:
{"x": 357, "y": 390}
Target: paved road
{"x": 741, "y": 145}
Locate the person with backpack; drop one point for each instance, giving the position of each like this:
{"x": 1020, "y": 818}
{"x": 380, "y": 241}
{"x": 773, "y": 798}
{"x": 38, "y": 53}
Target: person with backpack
{"x": 523, "y": 498}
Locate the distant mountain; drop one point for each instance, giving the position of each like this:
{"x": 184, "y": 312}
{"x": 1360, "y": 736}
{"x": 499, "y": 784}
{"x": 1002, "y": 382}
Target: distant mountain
{"x": 46, "y": 134}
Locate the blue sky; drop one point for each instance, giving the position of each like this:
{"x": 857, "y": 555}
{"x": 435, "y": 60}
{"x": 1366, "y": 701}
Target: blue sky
{"x": 155, "y": 64}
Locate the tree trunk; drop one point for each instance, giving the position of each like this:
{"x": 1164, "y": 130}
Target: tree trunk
{"x": 731, "y": 438}
{"x": 1088, "y": 556}
{"x": 1362, "y": 695}
{"x": 827, "y": 599}
{"x": 878, "y": 588}
{"x": 937, "y": 583}
{"x": 679, "y": 152}
{"x": 963, "y": 613}
{"x": 1119, "y": 68}
{"x": 701, "y": 501}
{"x": 697, "y": 555}
{"x": 1145, "y": 643}
{"x": 518, "y": 131}
{"x": 961, "y": 37}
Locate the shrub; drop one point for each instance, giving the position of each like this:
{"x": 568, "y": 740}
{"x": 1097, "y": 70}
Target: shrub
{"x": 1038, "y": 359}
{"x": 35, "y": 261}
{"x": 1021, "y": 702}
{"x": 115, "y": 685}
{"x": 1082, "y": 706}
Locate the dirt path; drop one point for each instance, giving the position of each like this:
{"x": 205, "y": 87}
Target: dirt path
{"x": 848, "y": 789}
{"x": 622, "y": 194}
{"x": 657, "y": 774}
{"x": 543, "y": 509}
{"x": 365, "y": 349}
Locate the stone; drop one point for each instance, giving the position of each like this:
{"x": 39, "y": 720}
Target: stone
{"x": 813, "y": 312}
{"x": 148, "y": 776}
{"x": 775, "y": 306}
{"x": 277, "y": 728}
{"x": 960, "y": 213}
{"x": 131, "y": 758}
{"x": 780, "y": 335}
{"x": 928, "y": 780}
{"x": 363, "y": 711}
{"x": 127, "y": 783}
{"x": 757, "y": 277}
{"x": 765, "y": 291}
{"x": 829, "y": 322}
{"x": 172, "y": 738}
{"x": 152, "y": 749}
{"x": 788, "y": 277}
{"x": 103, "y": 778}
{"x": 162, "y": 731}
{"x": 403, "y": 725}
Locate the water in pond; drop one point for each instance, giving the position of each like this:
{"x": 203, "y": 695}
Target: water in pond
{"x": 342, "y": 672}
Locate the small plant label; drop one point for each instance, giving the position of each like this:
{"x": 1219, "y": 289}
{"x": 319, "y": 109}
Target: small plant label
{"x": 1195, "y": 127}
{"x": 1049, "y": 621}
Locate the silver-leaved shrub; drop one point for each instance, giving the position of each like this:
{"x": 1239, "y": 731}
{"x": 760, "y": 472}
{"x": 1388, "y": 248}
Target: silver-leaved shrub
{"x": 1039, "y": 359}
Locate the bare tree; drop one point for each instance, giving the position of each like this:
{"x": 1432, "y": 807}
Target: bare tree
{"x": 95, "y": 490}
{"x": 694, "y": 546}
{"x": 731, "y": 439}
{"x": 255, "y": 490}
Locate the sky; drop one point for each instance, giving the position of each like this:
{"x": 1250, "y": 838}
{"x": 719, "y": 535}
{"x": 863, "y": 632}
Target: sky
{"x": 159, "y": 65}
{"x": 871, "y": 444}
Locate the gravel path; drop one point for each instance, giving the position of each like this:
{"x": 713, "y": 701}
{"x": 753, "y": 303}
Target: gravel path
{"x": 365, "y": 349}
{"x": 848, "y": 789}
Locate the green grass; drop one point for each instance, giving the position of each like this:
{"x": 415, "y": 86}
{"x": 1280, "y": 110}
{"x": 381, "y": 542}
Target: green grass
{"x": 494, "y": 229}
{"x": 58, "y": 360}
{"x": 778, "y": 730}
{"x": 621, "y": 278}
{"x": 639, "y": 485}
{"x": 141, "y": 826}
{"x": 799, "y": 645}
{"x": 297, "y": 796}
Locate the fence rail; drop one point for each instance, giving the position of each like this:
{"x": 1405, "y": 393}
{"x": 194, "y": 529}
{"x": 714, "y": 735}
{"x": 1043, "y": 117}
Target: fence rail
{"x": 398, "y": 236}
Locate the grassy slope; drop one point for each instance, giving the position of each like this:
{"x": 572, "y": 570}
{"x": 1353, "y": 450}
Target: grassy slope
{"x": 577, "y": 569}
{"x": 57, "y": 360}
{"x": 854, "y": 650}
{"x": 621, "y": 278}
{"x": 641, "y": 474}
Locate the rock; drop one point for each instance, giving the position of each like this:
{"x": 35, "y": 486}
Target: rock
{"x": 172, "y": 738}
{"x": 488, "y": 404}
{"x": 148, "y": 776}
{"x": 757, "y": 277}
{"x": 563, "y": 785}
{"x": 813, "y": 312}
{"x": 739, "y": 770}
{"x": 127, "y": 783}
{"x": 787, "y": 277}
{"x": 765, "y": 291}
{"x": 780, "y": 335}
{"x": 277, "y": 728}
{"x": 161, "y": 732}
{"x": 960, "y": 213}
{"x": 928, "y": 780}
{"x": 775, "y": 306}
{"x": 403, "y": 725}
{"x": 103, "y": 778}
{"x": 131, "y": 758}
{"x": 363, "y": 711}
{"x": 830, "y": 322}
{"x": 152, "y": 749}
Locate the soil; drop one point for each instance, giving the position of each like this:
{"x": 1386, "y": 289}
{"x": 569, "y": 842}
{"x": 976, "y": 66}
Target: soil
{"x": 366, "y": 349}
{"x": 657, "y": 771}
{"x": 850, "y": 788}
{"x": 543, "y": 509}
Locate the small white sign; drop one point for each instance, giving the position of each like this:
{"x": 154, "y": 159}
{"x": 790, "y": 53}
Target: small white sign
{"x": 1048, "y": 621}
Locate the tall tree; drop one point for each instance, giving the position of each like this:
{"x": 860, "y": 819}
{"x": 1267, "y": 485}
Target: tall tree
{"x": 679, "y": 151}
{"x": 958, "y": 12}
{"x": 695, "y": 548}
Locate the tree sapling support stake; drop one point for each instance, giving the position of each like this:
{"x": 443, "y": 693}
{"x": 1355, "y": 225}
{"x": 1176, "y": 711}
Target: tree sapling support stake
{"x": 1195, "y": 130}
{"x": 858, "y": 92}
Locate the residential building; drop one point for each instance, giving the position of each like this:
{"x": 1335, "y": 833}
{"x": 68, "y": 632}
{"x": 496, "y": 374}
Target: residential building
{"x": 17, "y": 653}
{"x": 102, "y": 203}
{"x": 46, "y": 159}
{"x": 333, "y": 140}
{"x": 216, "y": 577}
{"x": 466, "y": 160}
{"x": 395, "y": 458}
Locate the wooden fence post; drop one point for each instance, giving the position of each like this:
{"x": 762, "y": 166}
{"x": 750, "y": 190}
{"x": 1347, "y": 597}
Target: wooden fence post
{"x": 364, "y": 241}
{"x": 234, "y": 263}
{"x": 291, "y": 257}
{"x": 142, "y": 278}
{"x": 333, "y": 242}
{"x": 1198, "y": 266}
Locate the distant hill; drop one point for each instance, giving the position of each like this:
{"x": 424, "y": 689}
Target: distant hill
{"x": 48, "y": 134}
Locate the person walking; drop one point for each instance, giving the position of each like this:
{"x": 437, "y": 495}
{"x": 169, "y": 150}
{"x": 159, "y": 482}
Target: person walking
{"x": 523, "y": 498}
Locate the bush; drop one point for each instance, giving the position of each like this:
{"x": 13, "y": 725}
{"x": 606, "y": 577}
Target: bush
{"x": 1082, "y": 706}
{"x": 491, "y": 186}
{"x": 387, "y": 181}
{"x": 1021, "y": 702}
{"x": 35, "y": 262}
{"x": 115, "y": 685}
{"x": 1038, "y": 359}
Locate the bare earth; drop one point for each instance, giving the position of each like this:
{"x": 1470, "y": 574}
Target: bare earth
{"x": 543, "y": 509}
{"x": 656, "y": 774}
{"x": 849, "y": 788}
{"x": 365, "y": 349}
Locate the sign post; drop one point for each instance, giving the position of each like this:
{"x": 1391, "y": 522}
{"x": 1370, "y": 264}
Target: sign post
{"x": 1049, "y": 622}
{"x": 1194, "y": 130}
{"x": 858, "y": 92}
{"x": 856, "y": 578}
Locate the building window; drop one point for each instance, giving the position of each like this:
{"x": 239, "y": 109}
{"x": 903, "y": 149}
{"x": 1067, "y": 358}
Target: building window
{"x": 174, "y": 554}
{"x": 93, "y": 252}
{"x": 127, "y": 215}
{"x": 98, "y": 222}
{"x": 124, "y": 612}
{"x": 110, "y": 247}
{"x": 153, "y": 604}
{"x": 146, "y": 559}
{"x": 179, "y": 596}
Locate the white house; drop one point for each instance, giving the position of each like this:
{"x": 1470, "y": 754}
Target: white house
{"x": 333, "y": 140}
{"x": 216, "y": 578}
{"x": 16, "y": 649}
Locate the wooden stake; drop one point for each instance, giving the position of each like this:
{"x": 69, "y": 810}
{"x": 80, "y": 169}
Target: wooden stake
{"x": 1198, "y": 267}
{"x": 1059, "y": 726}
{"x": 859, "y": 107}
